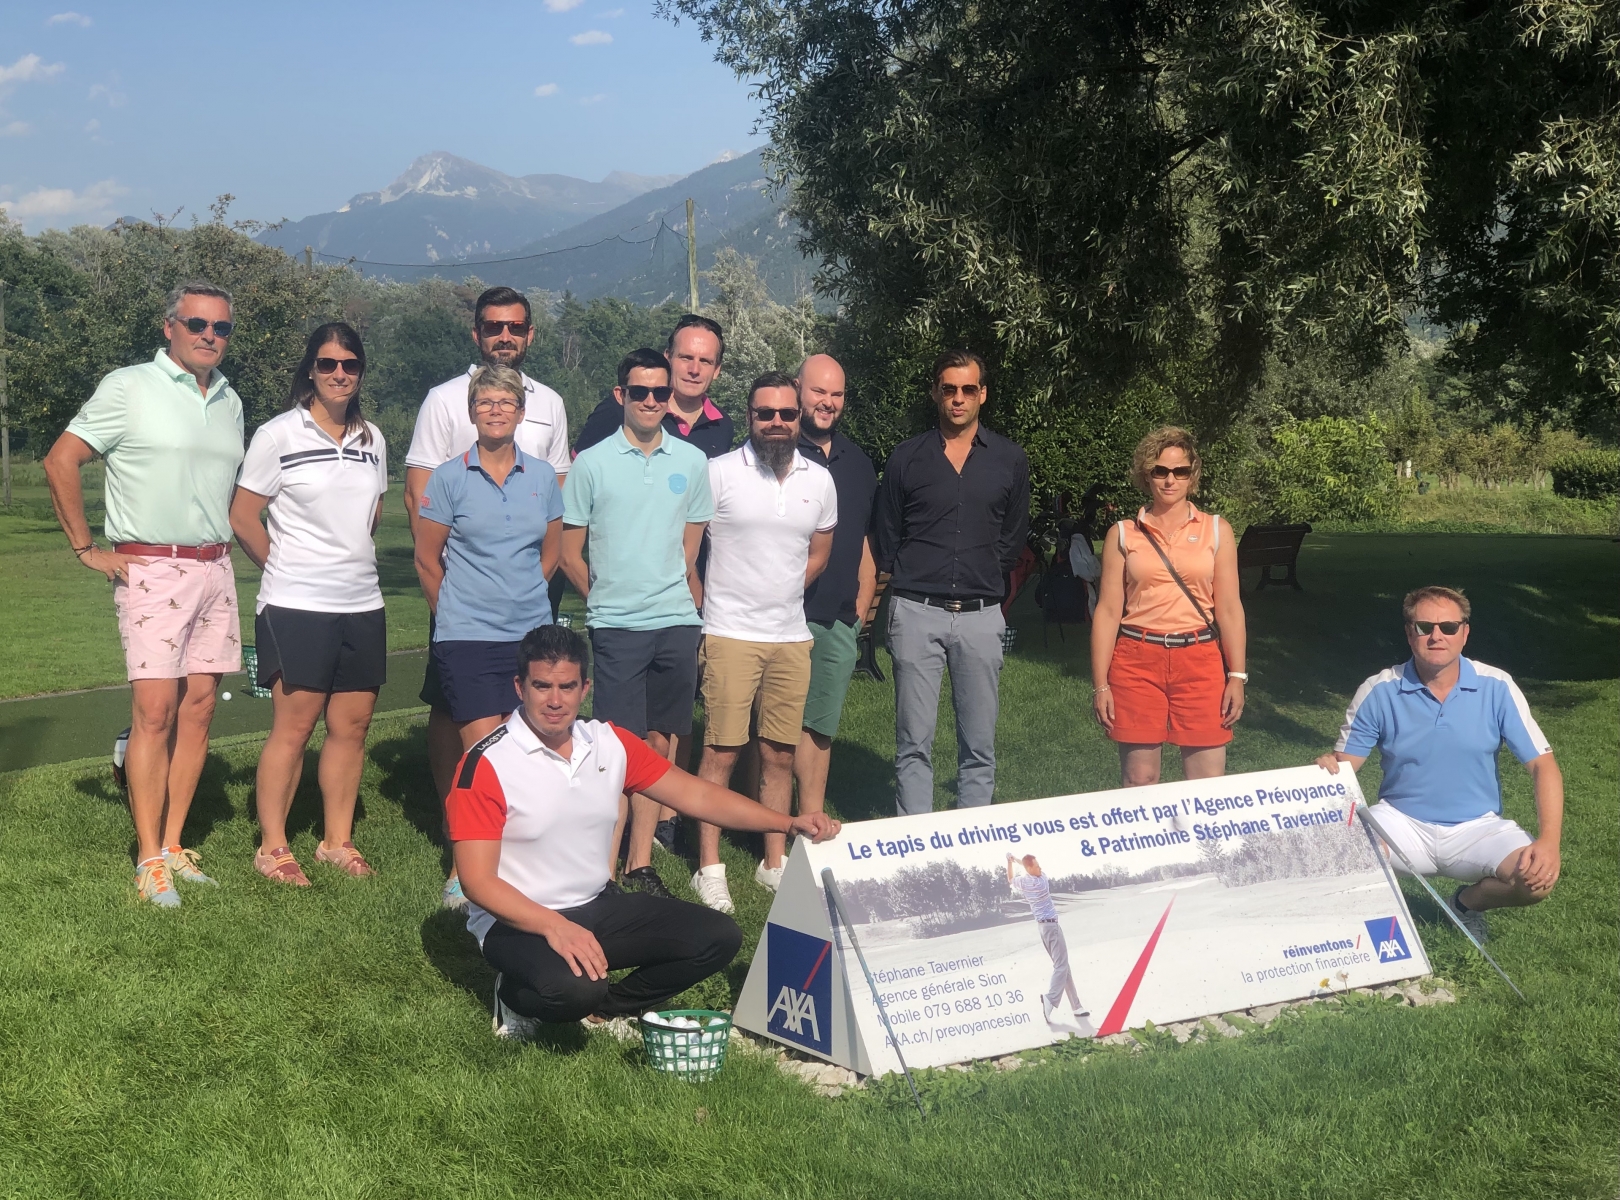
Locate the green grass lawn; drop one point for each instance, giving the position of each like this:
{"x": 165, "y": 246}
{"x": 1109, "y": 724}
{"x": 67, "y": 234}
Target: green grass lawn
{"x": 335, "y": 1042}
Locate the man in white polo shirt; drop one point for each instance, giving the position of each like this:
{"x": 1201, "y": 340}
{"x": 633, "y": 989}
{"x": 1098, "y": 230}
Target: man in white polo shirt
{"x": 535, "y": 816}
{"x": 503, "y": 331}
{"x": 771, "y": 537}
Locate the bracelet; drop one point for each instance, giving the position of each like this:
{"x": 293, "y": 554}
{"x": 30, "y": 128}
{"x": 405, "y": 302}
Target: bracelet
{"x": 81, "y": 551}
{"x": 1242, "y": 675}
{"x": 1101, "y": 687}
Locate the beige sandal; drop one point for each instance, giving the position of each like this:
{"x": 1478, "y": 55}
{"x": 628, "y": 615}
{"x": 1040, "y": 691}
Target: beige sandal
{"x": 280, "y": 866}
{"x": 345, "y": 858}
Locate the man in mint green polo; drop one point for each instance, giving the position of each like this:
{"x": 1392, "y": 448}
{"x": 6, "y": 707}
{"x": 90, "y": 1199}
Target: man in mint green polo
{"x": 171, "y": 433}
{"x": 642, "y": 499}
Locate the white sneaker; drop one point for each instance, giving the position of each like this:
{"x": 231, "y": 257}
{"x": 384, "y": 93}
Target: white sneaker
{"x": 508, "y": 1025}
{"x": 710, "y": 885}
{"x": 769, "y": 877}
{"x": 1082, "y": 1022}
{"x": 1472, "y": 919}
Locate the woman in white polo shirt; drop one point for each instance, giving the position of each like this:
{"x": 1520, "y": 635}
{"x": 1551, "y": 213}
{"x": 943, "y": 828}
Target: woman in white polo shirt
{"x": 321, "y": 470}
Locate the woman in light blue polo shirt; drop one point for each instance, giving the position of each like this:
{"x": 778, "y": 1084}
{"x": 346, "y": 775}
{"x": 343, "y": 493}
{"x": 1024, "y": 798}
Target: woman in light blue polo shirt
{"x": 489, "y": 539}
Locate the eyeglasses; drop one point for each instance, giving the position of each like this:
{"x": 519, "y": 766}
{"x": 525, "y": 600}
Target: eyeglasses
{"x": 1165, "y": 472}
{"x": 1449, "y": 628}
{"x": 640, "y": 391}
{"x": 767, "y": 415}
{"x": 198, "y": 324}
{"x": 349, "y": 366}
{"x": 970, "y": 391}
{"x": 504, "y": 404}
{"x": 491, "y": 329}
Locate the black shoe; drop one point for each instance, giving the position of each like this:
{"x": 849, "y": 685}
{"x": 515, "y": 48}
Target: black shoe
{"x": 665, "y": 834}
{"x": 120, "y": 751}
{"x": 645, "y": 879}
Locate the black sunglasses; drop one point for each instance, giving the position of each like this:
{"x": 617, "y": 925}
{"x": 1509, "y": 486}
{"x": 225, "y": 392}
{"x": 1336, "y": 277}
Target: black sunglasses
{"x": 970, "y": 391}
{"x": 198, "y": 324}
{"x": 767, "y": 415}
{"x": 640, "y": 391}
{"x": 1449, "y": 628}
{"x": 351, "y": 366}
{"x": 491, "y": 329}
{"x": 1165, "y": 472}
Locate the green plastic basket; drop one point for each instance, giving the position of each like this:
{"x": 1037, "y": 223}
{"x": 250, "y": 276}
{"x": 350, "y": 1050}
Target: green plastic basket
{"x": 695, "y": 1055}
{"x": 250, "y": 665}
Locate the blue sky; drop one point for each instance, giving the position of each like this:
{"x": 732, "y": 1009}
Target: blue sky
{"x": 127, "y": 109}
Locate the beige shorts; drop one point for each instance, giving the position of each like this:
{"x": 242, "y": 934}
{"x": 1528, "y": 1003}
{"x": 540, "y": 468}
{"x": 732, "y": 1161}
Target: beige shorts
{"x": 177, "y": 617}
{"x": 740, "y": 677}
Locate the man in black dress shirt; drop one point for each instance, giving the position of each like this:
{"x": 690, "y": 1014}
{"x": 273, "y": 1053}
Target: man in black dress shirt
{"x": 951, "y": 516}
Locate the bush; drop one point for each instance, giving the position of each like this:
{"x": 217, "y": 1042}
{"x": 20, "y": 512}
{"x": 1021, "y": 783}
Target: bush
{"x": 1587, "y": 474}
{"x": 1327, "y": 467}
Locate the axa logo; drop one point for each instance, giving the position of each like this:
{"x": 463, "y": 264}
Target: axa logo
{"x": 1390, "y": 938}
{"x": 798, "y": 977}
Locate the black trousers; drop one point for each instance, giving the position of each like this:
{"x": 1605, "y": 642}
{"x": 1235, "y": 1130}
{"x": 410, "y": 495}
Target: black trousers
{"x": 671, "y": 943}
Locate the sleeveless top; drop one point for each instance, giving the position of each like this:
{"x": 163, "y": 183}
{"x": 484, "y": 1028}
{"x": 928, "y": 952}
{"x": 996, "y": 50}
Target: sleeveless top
{"x": 1152, "y": 600}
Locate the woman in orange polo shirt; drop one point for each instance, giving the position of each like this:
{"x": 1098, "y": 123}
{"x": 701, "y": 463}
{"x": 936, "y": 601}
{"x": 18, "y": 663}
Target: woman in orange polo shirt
{"x": 1169, "y": 658}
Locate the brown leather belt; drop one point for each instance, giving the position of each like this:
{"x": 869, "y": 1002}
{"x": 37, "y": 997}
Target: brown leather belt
{"x": 206, "y": 553}
{"x": 1174, "y": 641}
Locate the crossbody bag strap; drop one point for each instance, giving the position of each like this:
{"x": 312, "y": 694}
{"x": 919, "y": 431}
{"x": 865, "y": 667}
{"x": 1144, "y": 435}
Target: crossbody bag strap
{"x": 1207, "y": 619}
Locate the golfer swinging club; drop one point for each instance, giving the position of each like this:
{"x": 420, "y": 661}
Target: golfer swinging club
{"x": 1032, "y": 887}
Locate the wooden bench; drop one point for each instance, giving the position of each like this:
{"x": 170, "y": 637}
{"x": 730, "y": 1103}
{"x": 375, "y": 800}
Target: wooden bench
{"x": 866, "y": 662}
{"x": 1268, "y": 546}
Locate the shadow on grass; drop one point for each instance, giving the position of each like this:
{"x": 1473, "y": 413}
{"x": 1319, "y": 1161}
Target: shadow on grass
{"x": 408, "y": 782}
{"x": 210, "y": 806}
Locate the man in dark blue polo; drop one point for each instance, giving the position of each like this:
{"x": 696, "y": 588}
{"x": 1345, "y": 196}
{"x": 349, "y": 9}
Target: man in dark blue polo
{"x": 1438, "y": 721}
{"x": 696, "y": 350}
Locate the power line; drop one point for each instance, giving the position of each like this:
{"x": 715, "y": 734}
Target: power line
{"x": 663, "y": 227}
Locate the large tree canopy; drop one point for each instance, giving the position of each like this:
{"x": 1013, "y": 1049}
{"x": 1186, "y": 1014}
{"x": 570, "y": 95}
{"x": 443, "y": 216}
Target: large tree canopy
{"x": 1172, "y": 189}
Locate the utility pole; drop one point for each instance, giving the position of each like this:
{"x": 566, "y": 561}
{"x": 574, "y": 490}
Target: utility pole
{"x": 309, "y": 259}
{"x": 691, "y": 254}
{"x": 5, "y": 413}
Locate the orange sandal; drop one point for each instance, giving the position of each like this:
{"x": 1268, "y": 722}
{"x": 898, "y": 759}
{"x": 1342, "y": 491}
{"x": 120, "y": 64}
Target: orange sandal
{"x": 345, "y": 858}
{"x": 280, "y": 865}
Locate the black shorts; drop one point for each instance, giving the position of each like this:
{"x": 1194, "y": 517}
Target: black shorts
{"x": 478, "y": 678}
{"x": 326, "y": 652}
{"x": 432, "y": 693}
{"x": 646, "y": 679}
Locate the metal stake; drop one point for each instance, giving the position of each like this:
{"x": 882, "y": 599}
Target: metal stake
{"x": 832, "y": 894}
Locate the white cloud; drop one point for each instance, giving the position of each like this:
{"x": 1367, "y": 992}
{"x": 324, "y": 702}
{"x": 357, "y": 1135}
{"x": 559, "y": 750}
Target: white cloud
{"x": 612, "y": 14}
{"x": 547, "y": 89}
{"x": 44, "y": 207}
{"x": 562, "y": 5}
{"x": 591, "y": 37}
{"x": 30, "y": 68}
{"x": 16, "y": 129}
{"x": 596, "y": 99}
{"x": 70, "y": 18}
{"x": 108, "y": 92}
{"x": 92, "y": 125}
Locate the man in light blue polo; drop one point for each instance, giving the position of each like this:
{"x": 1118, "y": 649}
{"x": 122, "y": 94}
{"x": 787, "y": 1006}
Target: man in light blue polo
{"x": 642, "y": 499}
{"x": 170, "y": 432}
{"x": 1438, "y": 721}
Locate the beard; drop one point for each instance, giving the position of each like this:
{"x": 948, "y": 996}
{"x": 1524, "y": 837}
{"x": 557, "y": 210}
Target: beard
{"x": 511, "y": 354}
{"x": 775, "y": 452}
{"x": 811, "y": 422}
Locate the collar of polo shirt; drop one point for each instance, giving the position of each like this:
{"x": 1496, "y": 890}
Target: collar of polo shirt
{"x": 752, "y": 459}
{"x": 525, "y": 739}
{"x": 625, "y": 446}
{"x": 1467, "y": 677}
{"x": 216, "y": 381}
{"x": 518, "y": 458}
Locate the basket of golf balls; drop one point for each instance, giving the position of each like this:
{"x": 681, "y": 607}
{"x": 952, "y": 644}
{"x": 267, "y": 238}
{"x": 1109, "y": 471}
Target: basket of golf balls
{"x": 689, "y": 1043}
{"x": 250, "y": 664}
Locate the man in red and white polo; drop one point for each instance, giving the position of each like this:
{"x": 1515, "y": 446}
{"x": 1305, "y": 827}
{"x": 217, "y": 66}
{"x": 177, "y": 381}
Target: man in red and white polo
{"x": 535, "y": 812}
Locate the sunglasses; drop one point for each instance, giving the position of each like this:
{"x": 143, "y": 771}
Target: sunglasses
{"x": 349, "y": 366}
{"x": 198, "y": 324}
{"x": 640, "y": 391}
{"x": 1449, "y": 628}
{"x": 1166, "y": 472}
{"x": 504, "y": 404}
{"x": 491, "y": 329}
{"x": 970, "y": 391}
{"x": 767, "y": 415}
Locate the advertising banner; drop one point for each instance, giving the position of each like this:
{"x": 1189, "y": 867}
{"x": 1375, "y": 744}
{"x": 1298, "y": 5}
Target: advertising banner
{"x": 991, "y": 930}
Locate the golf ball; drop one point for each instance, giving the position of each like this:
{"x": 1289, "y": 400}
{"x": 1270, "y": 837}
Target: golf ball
{"x": 225, "y": 696}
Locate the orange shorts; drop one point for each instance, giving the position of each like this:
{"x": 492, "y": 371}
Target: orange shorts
{"x": 1164, "y": 694}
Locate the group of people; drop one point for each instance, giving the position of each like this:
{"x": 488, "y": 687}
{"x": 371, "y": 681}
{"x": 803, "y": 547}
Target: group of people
{"x": 740, "y": 575}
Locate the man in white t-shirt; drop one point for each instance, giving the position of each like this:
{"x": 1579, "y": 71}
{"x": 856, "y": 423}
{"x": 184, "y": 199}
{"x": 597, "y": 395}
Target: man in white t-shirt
{"x": 1031, "y": 886}
{"x": 535, "y": 816}
{"x": 503, "y": 331}
{"x": 770, "y": 538}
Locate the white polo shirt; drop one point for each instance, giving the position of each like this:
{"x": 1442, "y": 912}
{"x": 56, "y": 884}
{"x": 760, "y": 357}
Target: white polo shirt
{"x": 323, "y": 497}
{"x": 759, "y": 545}
{"x": 553, "y": 816}
{"x": 444, "y": 430}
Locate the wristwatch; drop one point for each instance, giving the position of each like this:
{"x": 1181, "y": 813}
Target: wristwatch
{"x": 1243, "y": 675}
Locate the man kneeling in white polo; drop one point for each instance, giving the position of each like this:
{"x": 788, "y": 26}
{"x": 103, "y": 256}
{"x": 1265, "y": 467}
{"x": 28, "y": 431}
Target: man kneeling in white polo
{"x": 536, "y": 812}
{"x": 1438, "y": 721}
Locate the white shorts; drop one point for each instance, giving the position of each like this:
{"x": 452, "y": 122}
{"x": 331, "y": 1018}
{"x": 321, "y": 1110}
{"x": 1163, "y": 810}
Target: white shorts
{"x": 1468, "y": 852}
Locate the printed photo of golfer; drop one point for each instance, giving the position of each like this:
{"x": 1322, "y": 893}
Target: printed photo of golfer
{"x": 1030, "y": 885}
